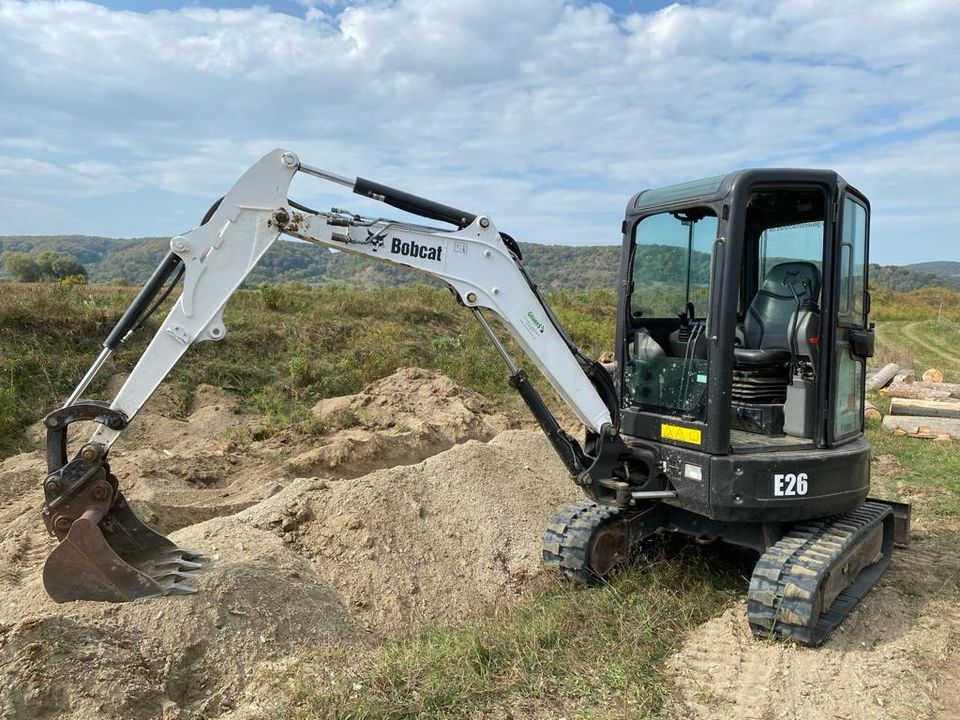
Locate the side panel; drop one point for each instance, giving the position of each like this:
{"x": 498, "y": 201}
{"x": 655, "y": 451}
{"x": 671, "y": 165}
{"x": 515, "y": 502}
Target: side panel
{"x": 785, "y": 486}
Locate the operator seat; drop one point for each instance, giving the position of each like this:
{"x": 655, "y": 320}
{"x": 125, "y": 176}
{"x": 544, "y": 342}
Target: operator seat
{"x": 761, "y": 369}
{"x": 769, "y": 319}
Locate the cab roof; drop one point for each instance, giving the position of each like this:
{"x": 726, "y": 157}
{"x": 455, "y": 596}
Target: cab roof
{"x": 719, "y": 186}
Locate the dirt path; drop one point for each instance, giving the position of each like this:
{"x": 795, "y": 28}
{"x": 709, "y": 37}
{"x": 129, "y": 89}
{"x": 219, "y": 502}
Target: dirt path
{"x": 910, "y": 332}
{"x": 895, "y": 658}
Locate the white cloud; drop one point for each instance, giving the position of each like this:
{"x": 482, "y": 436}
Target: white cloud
{"x": 545, "y": 114}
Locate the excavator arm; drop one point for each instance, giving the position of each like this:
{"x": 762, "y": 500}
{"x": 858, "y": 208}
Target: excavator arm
{"x": 120, "y": 558}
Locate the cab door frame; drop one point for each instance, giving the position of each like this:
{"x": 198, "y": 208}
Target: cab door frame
{"x": 850, "y": 338}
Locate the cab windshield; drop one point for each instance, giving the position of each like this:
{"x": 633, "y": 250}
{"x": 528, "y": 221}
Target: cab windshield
{"x": 666, "y": 368}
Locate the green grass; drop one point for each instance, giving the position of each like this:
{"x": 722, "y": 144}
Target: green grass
{"x": 895, "y": 343}
{"x": 934, "y": 315}
{"x": 585, "y": 652}
{"x": 927, "y": 473}
{"x": 286, "y": 346}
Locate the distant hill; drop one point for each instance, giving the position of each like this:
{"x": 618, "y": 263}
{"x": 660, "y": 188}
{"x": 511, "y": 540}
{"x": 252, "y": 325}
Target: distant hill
{"x": 131, "y": 260}
{"x": 911, "y": 277}
{"x": 944, "y": 268}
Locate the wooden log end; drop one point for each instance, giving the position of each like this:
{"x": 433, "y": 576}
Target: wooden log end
{"x": 933, "y": 375}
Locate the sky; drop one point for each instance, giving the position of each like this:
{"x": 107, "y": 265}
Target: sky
{"x": 128, "y": 119}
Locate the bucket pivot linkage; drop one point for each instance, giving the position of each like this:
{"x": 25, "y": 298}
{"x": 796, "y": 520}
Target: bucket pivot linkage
{"x": 106, "y": 552}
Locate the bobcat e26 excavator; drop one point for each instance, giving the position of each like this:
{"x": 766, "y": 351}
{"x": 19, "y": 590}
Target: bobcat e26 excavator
{"x": 734, "y": 412}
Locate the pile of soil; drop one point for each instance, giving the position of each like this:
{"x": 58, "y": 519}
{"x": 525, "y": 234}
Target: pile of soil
{"x": 416, "y": 504}
{"x": 463, "y": 526}
{"x": 399, "y": 420}
{"x": 302, "y": 551}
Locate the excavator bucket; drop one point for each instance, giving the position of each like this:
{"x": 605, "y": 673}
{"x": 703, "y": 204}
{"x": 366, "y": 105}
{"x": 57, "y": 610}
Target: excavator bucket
{"x": 106, "y": 552}
{"x": 116, "y": 557}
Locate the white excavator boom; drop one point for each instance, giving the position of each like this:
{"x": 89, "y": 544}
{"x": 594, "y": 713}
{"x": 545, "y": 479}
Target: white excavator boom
{"x": 107, "y": 553}
{"x": 473, "y": 260}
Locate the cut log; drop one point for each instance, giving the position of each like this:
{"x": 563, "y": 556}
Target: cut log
{"x": 925, "y": 408}
{"x": 870, "y": 411}
{"x": 933, "y": 375}
{"x": 882, "y": 377}
{"x": 946, "y": 387}
{"x": 906, "y": 377}
{"x": 923, "y": 427}
{"x": 915, "y": 393}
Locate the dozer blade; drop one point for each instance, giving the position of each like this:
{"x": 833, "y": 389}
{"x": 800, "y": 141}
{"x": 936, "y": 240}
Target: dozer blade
{"x": 117, "y": 559}
{"x": 806, "y": 584}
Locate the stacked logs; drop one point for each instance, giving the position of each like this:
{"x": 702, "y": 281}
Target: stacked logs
{"x": 927, "y": 408}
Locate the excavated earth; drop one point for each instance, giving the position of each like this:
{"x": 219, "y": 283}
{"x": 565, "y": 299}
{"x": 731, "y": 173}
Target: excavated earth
{"x": 416, "y": 502}
{"x": 419, "y": 503}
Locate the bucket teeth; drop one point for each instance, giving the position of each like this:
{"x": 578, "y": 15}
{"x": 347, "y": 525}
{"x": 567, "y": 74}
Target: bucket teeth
{"x": 117, "y": 560}
{"x": 158, "y": 573}
{"x": 180, "y": 563}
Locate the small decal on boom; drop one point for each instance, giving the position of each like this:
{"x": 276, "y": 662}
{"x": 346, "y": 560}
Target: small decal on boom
{"x": 532, "y": 323}
{"x": 412, "y": 249}
{"x": 533, "y": 319}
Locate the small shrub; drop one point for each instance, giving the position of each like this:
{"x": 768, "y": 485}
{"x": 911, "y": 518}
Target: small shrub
{"x": 237, "y": 437}
{"x": 9, "y": 422}
{"x": 274, "y": 297}
{"x": 301, "y": 373}
{"x": 343, "y": 420}
{"x": 73, "y": 280}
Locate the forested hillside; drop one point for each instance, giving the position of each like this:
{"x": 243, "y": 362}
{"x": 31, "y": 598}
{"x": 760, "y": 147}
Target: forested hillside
{"x": 911, "y": 277}
{"x": 129, "y": 261}
{"x": 944, "y": 268}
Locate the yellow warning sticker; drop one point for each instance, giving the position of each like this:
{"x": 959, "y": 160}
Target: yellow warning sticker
{"x": 675, "y": 432}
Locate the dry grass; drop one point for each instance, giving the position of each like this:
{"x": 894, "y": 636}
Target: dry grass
{"x": 585, "y": 652}
{"x": 286, "y": 346}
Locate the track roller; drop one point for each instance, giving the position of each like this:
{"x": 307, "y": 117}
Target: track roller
{"x": 585, "y": 542}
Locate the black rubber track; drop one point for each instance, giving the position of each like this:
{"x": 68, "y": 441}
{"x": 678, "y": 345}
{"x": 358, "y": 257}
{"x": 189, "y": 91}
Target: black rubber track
{"x": 785, "y": 586}
{"x": 568, "y": 538}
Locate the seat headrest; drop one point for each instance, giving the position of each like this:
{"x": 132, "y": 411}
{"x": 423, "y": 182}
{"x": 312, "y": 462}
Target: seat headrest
{"x": 793, "y": 279}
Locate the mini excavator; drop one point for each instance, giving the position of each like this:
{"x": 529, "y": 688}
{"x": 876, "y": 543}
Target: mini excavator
{"x": 733, "y": 409}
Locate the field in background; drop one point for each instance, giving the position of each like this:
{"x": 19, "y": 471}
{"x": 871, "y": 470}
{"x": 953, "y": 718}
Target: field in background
{"x": 287, "y": 346}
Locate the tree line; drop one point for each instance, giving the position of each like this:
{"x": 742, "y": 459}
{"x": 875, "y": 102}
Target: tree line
{"x": 48, "y": 266}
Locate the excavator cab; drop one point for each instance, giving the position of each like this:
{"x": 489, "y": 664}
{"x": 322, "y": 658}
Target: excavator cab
{"x": 743, "y": 335}
{"x": 742, "y": 338}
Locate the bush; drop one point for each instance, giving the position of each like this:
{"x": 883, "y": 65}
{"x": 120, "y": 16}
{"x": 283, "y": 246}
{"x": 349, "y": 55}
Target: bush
{"x": 274, "y": 297}
{"x": 9, "y": 422}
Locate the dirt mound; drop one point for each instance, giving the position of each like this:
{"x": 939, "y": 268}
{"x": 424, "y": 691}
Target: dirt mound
{"x": 291, "y": 562}
{"x": 463, "y": 526}
{"x": 398, "y": 420}
{"x": 154, "y": 657}
{"x": 186, "y": 471}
